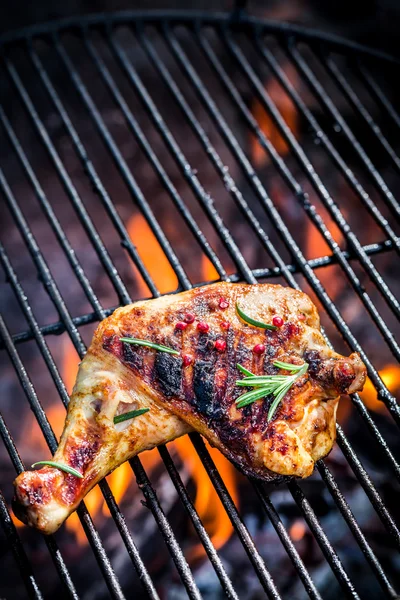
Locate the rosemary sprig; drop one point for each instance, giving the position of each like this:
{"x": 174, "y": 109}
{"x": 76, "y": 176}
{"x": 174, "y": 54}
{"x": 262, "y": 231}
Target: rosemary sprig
{"x": 57, "y": 465}
{"x": 253, "y": 322}
{"x": 130, "y": 415}
{"x": 138, "y": 342}
{"x": 266, "y": 385}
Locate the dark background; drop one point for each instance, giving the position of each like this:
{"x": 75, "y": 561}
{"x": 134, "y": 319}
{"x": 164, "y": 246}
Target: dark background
{"x": 372, "y": 22}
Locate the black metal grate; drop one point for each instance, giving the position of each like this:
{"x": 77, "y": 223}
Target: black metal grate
{"x": 356, "y": 261}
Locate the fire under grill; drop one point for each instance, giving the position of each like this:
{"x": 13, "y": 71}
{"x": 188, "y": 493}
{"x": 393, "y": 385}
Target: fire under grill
{"x": 143, "y": 154}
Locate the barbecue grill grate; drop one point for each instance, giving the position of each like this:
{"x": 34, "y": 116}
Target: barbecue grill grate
{"x": 356, "y": 261}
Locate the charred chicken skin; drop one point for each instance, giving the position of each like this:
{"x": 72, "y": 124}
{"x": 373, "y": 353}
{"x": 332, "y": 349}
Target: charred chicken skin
{"x": 195, "y": 389}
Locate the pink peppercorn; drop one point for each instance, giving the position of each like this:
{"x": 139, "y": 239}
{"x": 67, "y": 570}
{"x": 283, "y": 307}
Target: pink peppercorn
{"x": 203, "y": 327}
{"x": 277, "y": 321}
{"x": 187, "y": 360}
{"x": 301, "y": 317}
{"x": 259, "y": 349}
{"x": 220, "y": 345}
{"x": 225, "y": 325}
{"x": 223, "y": 303}
{"x": 181, "y": 326}
{"x": 189, "y": 318}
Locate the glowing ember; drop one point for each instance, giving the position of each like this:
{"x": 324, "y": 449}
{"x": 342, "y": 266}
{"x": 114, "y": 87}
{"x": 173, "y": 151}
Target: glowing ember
{"x": 297, "y": 530}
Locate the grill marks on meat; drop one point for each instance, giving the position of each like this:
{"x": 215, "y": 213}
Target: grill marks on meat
{"x": 116, "y": 377}
{"x": 168, "y": 374}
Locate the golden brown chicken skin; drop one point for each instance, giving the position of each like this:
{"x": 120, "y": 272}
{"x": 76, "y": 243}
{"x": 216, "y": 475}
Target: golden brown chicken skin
{"x": 195, "y": 390}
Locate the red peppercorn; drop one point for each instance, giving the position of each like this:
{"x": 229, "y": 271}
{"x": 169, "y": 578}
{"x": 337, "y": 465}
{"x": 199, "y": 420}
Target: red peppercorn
{"x": 187, "y": 360}
{"x": 223, "y": 303}
{"x": 203, "y": 327}
{"x": 220, "y": 345}
{"x": 259, "y": 349}
{"x": 181, "y": 326}
{"x": 189, "y": 318}
{"x": 225, "y": 325}
{"x": 277, "y": 321}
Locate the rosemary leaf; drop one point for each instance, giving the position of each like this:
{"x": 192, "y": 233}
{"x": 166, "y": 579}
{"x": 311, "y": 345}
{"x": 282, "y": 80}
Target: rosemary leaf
{"x": 287, "y": 366}
{"x": 138, "y": 342}
{"x": 268, "y": 385}
{"x": 65, "y": 468}
{"x": 130, "y": 415}
{"x": 250, "y": 397}
{"x": 253, "y": 322}
{"x": 244, "y": 371}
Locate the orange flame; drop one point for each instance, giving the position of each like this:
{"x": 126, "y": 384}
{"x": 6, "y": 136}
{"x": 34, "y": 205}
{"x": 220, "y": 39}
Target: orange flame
{"x": 208, "y": 271}
{"x": 390, "y": 375}
{"x": 288, "y": 111}
{"x": 152, "y": 256}
{"x": 207, "y": 502}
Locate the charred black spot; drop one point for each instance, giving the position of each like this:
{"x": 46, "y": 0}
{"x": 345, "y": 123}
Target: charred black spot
{"x": 204, "y": 345}
{"x": 168, "y": 374}
{"x": 132, "y": 357}
{"x": 243, "y": 352}
{"x": 233, "y": 437}
{"x": 203, "y": 386}
{"x": 313, "y": 358}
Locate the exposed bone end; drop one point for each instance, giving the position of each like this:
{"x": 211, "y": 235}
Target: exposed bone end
{"x": 34, "y": 502}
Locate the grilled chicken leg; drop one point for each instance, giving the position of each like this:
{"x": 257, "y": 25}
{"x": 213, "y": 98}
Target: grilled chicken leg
{"x": 195, "y": 390}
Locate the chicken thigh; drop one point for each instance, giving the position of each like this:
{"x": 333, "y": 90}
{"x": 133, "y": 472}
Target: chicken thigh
{"x": 195, "y": 388}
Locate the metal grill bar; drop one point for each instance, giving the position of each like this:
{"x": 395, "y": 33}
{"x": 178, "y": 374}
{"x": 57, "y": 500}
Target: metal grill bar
{"x": 134, "y": 79}
{"x": 197, "y": 523}
{"x": 50, "y": 542}
{"x": 117, "y": 515}
{"x": 218, "y": 119}
{"x": 347, "y": 173}
{"x": 360, "y": 109}
{"x": 265, "y": 577}
{"x": 383, "y": 392}
{"x": 377, "y": 93}
{"x": 158, "y": 62}
{"x": 317, "y": 263}
{"x": 187, "y": 171}
{"x": 111, "y": 580}
{"x": 323, "y": 541}
{"x": 144, "y": 144}
{"x": 18, "y": 551}
{"x": 300, "y": 265}
{"x": 356, "y": 531}
{"x": 325, "y": 197}
{"x": 240, "y": 528}
{"x": 168, "y": 537}
{"x": 388, "y": 521}
{"x": 329, "y": 106}
{"x": 122, "y": 166}
{"x": 286, "y": 541}
{"x": 262, "y": 572}
{"x": 90, "y": 531}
